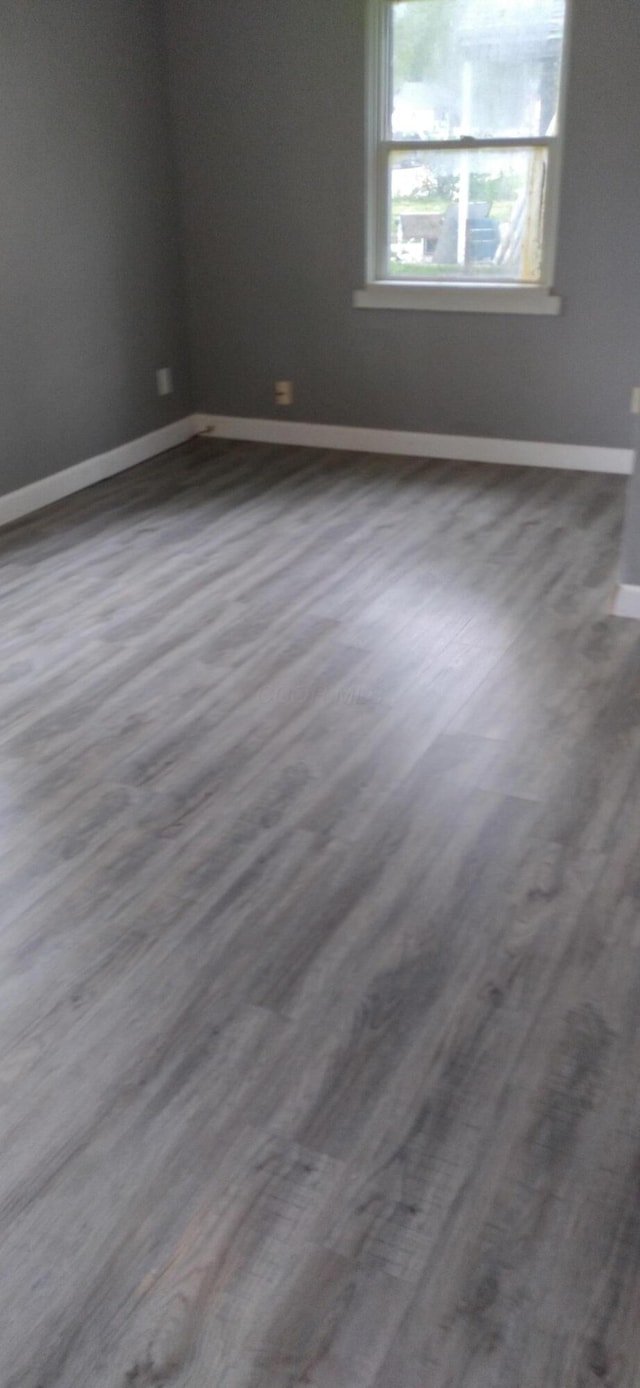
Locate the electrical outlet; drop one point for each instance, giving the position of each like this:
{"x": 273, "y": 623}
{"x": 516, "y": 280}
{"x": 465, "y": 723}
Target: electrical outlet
{"x": 164, "y": 380}
{"x": 635, "y": 400}
{"x": 284, "y": 393}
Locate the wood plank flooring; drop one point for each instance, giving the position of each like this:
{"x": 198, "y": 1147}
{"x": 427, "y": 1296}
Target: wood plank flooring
{"x": 320, "y": 945}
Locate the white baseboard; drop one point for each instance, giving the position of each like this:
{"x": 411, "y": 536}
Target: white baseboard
{"x": 400, "y": 441}
{"x": 626, "y": 602}
{"x": 285, "y": 431}
{"x": 74, "y": 479}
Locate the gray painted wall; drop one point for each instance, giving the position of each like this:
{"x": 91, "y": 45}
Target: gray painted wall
{"x": 268, "y": 101}
{"x": 91, "y": 299}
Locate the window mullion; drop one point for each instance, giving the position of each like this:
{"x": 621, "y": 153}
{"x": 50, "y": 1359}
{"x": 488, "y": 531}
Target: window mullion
{"x": 471, "y": 146}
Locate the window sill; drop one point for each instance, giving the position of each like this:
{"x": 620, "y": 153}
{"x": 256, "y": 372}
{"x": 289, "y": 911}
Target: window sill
{"x": 458, "y": 298}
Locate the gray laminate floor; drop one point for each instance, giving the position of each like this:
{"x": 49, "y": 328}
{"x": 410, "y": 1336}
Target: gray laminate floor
{"x": 320, "y": 946}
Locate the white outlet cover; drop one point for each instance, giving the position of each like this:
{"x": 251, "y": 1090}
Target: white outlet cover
{"x": 164, "y": 380}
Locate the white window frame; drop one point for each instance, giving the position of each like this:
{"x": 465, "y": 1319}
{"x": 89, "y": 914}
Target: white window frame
{"x": 458, "y": 296}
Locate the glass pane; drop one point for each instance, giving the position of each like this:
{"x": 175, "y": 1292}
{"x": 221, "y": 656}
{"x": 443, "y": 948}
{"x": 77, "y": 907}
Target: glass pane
{"x": 467, "y": 214}
{"x": 476, "y": 67}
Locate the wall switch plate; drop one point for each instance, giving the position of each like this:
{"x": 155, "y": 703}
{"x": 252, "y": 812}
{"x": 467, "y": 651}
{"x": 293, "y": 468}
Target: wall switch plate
{"x": 635, "y": 400}
{"x": 164, "y": 380}
{"x": 284, "y": 393}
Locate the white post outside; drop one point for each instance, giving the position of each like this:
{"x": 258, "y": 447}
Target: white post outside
{"x": 465, "y": 164}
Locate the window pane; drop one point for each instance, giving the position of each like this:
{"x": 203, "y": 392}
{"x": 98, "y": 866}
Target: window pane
{"x": 467, "y": 215}
{"x": 476, "y": 67}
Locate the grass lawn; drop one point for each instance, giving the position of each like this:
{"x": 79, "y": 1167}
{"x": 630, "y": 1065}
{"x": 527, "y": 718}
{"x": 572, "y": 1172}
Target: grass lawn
{"x": 401, "y": 207}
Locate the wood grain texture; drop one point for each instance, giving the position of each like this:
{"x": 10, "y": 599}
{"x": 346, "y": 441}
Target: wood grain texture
{"x": 320, "y": 949}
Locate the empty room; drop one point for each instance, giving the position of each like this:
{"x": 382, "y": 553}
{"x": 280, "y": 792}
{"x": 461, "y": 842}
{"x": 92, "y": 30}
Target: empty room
{"x": 319, "y": 694}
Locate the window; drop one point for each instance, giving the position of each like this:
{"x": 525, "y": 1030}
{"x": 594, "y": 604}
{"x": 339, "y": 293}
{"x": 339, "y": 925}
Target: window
{"x": 464, "y": 119}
